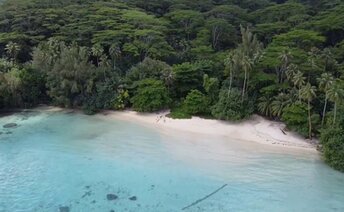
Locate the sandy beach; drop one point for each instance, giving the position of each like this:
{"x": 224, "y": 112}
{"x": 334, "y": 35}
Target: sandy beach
{"x": 256, "y": 129}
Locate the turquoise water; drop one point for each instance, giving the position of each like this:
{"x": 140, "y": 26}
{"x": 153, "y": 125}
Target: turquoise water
{"x": 55, "y": 160}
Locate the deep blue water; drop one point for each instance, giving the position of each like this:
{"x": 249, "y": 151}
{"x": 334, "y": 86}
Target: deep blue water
{"x": 54, "y": 160}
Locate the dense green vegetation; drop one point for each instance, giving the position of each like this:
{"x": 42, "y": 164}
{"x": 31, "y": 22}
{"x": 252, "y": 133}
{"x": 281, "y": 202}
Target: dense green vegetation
{"x": 225, "y": 59}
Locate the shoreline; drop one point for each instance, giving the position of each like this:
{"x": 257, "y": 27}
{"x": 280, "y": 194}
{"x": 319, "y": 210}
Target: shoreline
{"x": 254, "y": 130}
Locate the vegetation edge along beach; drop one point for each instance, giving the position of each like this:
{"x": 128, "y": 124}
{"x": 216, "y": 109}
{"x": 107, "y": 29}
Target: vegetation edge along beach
{"x": 225, "y": 60}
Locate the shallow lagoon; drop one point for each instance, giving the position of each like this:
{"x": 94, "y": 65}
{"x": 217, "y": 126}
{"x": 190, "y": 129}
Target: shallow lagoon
{"x": 55, "y": 160}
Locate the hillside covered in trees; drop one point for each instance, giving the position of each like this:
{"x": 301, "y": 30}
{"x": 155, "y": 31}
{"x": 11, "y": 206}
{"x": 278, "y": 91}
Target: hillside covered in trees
{"x": 225, "y": 59}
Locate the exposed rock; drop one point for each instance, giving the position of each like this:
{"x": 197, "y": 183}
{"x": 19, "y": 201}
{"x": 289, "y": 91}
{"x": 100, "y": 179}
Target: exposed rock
{"x": 133, "y": 198}
{"x": 111, "y": 197}
{"x": 64, "y": 209}
{"x": 10, "y": 125}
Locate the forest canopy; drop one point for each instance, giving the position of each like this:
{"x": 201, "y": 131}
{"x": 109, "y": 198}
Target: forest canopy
{"x": 225, "y": 59}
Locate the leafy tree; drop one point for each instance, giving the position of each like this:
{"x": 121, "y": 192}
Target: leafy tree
{"x": 151, "y": 95}
{"x": 295, "y": 116}
{"x": 211, "y": 86}
{"x": 196, "y": 103}
{"x": 185, "y": 22}
{"x": 332, "y": 143}
{"x": 188, "y": 76}
{"x": 150, "y": 68}
{"x": 231, "y": 107}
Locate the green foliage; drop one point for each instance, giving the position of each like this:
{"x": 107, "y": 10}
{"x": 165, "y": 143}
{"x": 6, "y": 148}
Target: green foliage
{"x": 188, "y": 76}
{"x": 121, "y": 100}
{"x": 150, "y": 68}
{"x": 295, "y": 116}
{"x": 332, "y": 138}
{"x": 267, "y": 55}
{"x": 151, "y": 95}
{"x": 179, "y": 113}
{"x": 72, "y": 80}
{"x": 231, "y": 106}
{"x": 211, "y": 86}
{"x": 303, "y": 39}
{"x": 196, "y": 103}
{"x": 279, "y": 12}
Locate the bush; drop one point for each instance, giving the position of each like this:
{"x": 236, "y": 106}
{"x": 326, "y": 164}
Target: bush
{"x": 179, "y": 113}
{"x": 231, "y": 106}
{"x": 296, "y": 119}
{"x": 332, "y": 140}
{"x": 151, "y": 95}
{"x": 196, "y": 103}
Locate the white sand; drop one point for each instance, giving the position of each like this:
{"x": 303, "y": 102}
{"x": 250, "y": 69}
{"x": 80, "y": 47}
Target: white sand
{"x": 257, "y": 129}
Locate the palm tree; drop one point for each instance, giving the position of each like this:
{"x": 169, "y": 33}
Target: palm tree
{"x": 280, "y": 102}
{"x": 97, "y": 51}
{"x": 327, "y": 56}
{"x": 12, "y": 49}
{"x": 299, "y": 81}
{"x": 264, "y": 105}
{"x": 325, "y": 82}
{"x": 246, "y": 64}
{"x": 292, "y": 69}
{"x": 335, "y": 95}
{"x": 115, "y": 53}
{"x": 230, "y": 68}
{"x": 285, "y": 58}
{"x": 307, "y": 93}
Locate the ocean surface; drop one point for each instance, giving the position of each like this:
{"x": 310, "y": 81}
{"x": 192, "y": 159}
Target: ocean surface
{"x": 59, "y": 161}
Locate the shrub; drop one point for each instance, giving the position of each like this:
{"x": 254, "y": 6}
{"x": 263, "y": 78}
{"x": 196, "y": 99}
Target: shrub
{"x": 196, "y": 103}
{"x": 231, "y": 106}
{"x": 179, "y": 113}
{"x": 151, "y": 95}
{"x": 295, "y": 117}
{"x": 332, "y": 140}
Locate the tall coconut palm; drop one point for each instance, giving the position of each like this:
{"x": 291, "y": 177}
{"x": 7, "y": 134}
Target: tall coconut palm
{"x": 299, "y": 81}
{"x": 325, "y": 82}
{"x": 115, "y": 52}
{"x": 285, "y": 58}
{"x": 307, "y": 93}
{"x": 292, "y": 69}
{"x": 329, "y": 59}
{"x": 246, "y": 64}
{"x": 12, "y": 49}
{"x": 231, "y": 68}
{"x": 335, "y": 95}
{"x": 97, "y": 51}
